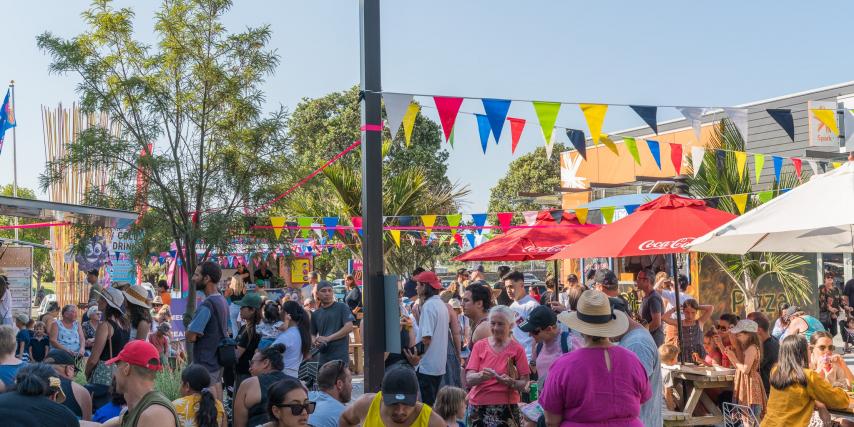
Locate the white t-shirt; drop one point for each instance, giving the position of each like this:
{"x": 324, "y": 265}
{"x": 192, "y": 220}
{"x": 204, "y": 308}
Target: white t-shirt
{"x": 523, "y": 309}
{"x": 293, "y": 350}
{"x": 434, "y": 324}
{"x": 670, "y": 297}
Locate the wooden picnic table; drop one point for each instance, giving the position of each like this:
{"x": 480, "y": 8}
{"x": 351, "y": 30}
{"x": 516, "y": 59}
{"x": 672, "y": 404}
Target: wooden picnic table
{"x": 698, "y": 380}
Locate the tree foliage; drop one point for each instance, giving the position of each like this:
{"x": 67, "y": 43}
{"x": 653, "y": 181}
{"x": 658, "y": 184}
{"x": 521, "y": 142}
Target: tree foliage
{"x": 531, "y": 173}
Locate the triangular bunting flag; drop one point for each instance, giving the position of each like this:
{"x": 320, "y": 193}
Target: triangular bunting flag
{"x": 595, "y": 115}
{"x": 632, "y": 146}
{"x": 331, "y": 225}
{"x": 720, "y": 157}
{"x": 483, "y": 130}
{"x": 697, "y": 154}
{"x": 783, "y": 117}
{"x": 550, "y": 146}
{"x": 451, "y": 140}
{"x": 655, "y": 150}
{"x": 470, "y": 238}
{"x": 357, "y": 223}
{"x": 504, "y": 220}
{"x": 649, "y": 115}
{"x": 277, "y": 222}
{"x": 479, "y": 220}
{"x": 676, "y": 157}
{"x": 740, "y": 163}
{"x": 448, "y": 107}
{"x": 630, "y": 209}
{"x": 694, "y": 115}
{"x": 827, "y": 118}
{"x": 557, "y": 215}
{"x": 576, "y": 137}
{"x": 316, "y": 228}
{"x": 738, "y": 117}
{"x": 740, "y": 202}
{"x": 813, "y": 166}
{"x": 516, "y": 127}
{"x": 496, "y": 110}
{"x": 428, "y": 221}
{"x": 547, "y": 115}
{"x": 396, "y": 105}
{"x": 303, "y": 224}
{"x": 530, "y": 217}
{"x": 453, "y": 222}
{"x": 607, "y": 213}
{"x": 459, "y": 239}
{"x": 837, "y": 164}
{"x": 778, "y": 166}
{"x": 395, "y": 235}
{"x": 758, "y": 164}
{"x": 765, "y": 196}
{"x": 605, "y": 139}
{"x": 796, "y": 162}
{"x": 581, "y": 215}
{"x": 409, "y": 121}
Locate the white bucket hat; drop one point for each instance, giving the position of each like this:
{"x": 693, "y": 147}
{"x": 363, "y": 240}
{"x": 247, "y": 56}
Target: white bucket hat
{"x": 745, "y": 325}
{"x": 595, "y": 317}
{"x": 114, "y": 298}
{"x": 137, "y": 295}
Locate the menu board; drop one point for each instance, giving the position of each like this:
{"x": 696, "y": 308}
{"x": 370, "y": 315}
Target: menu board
{"x": 16, "y": 264}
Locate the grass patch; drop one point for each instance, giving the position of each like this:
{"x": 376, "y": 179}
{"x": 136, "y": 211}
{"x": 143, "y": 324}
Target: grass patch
{"x": 167, "y": 381}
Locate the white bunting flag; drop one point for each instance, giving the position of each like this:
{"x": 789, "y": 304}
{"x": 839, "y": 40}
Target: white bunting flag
{"x": 694, "y": 116}
{"x": 550, "y": 145}
{"x": 317, "y": 230}
{"x": 697, "y": 154}
{"x": 814, "y": 167}
{"x": 530, "y": 217}
{"x": 395, "y": 107}
{"x": 738, "y": 117}
{"x": 848, "y": 122}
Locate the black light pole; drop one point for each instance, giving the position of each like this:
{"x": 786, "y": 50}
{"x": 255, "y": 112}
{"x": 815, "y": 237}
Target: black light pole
{"x": 372, "y": 194}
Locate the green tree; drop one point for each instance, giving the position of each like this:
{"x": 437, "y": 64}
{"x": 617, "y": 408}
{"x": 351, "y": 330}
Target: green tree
{"x": 531, "y": 173}
{"x": 42, "y": 269}
{"x": 188, "y": 113}
{"x": 719, "y": 177}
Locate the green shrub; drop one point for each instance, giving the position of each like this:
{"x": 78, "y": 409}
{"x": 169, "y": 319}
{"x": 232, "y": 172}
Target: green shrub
{"x": 167, "y": 381}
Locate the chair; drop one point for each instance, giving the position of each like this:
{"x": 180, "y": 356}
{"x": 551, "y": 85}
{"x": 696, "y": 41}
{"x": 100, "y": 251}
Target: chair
{"x": 739, "y": 416}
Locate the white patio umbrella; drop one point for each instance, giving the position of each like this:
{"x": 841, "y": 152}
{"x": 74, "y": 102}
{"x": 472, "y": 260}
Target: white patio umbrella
{"x": 817, "y": 216}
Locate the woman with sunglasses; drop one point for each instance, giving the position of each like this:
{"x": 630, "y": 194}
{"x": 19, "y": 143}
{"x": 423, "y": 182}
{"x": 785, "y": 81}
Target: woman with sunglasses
{"x": 827, "y": 362}
{"x": 288, "y": 404}
{"x": 250, "y": 403}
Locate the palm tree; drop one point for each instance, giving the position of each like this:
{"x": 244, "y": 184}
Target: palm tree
{"x": 718, "y": 176}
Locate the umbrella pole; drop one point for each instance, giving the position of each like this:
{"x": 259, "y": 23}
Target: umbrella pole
{"x": 554, "y": 291}
{"x": 682, "y": 356}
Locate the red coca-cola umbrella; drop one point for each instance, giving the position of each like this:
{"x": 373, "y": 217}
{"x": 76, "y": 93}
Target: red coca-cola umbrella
{"x": 541, "y": 241}
{"x": 663, "y": 226}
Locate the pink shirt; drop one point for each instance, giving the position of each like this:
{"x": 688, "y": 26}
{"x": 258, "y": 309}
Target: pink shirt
{"x": 580, "y": 387}
{"x": 484, "y": 356}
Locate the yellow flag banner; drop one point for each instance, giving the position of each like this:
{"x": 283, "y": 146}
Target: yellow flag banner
{"x": 740, "y": 163}
{"x": 409, "y": 121}
{"x": 758, "y": 164}
{"x": 395, "y": 235}
{"x": 428, "y": 221}
{"x": 605, "y": 139}
{"x": 277, "y": 222}
{"x": 607, "y": 214}
{"x": 740, "y": 202}
{"x": 595, "y": 115}
{"x": 581, "y": 214}
{"x": 827, "y": 118}
{"x": 837, "y": 164}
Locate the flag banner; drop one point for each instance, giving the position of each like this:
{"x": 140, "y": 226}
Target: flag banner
{"x": 632, "y": 146}
{"x": 357, "y": 223}
{"x": 316, "y": 228}
{"x": 740, "y": 202}
{"x": 331, "y": 225}
{"x": 396, "y": 105}
{"x": 608, "y": 142}
{"x": 7, "y": 118}
{"x": 694, "y": 115}
{"x": 483, "y": 130}
{"x": 649, "y": 115}
{"x": 607, "y": 214}
{"x": 765, "y": 196}
{"x": 504, "y": 220}
{"x": 697, "y": 154}
{"x": 814, "y": 167}
{"x": 576, "y": 137}
{"x": 595, "y": 116}
{"x": 758, "y": 164}
{"x": 429, "y": 221}
{"x": 409, "y": 121}
{"x": 581, "y": 214}
{"x": 783, "y": 117}
{"x": 720, "y": 156}
{"x": 630, "y": 209}
{"x": 655, "y": 150}
{"x": 448, "y": 108}
{"x": 277, "y": 222}
{"x": 550, "y": 146}
{"x": 496, "y": 110}
{"x": 676, "y": 157}
{"x": 471, "y": 238}
{"x": 557, "y": 215}
{"x": 395, "y": 235}
{"x": 451, "y": 141}
{"x": 740, "y": 163}
{"x": 459, "y": 239}
{"x": 738, "y": 117}
{"x": 796, "y": 162}
{"x": 530, "y": 217}
{"x": 547, "y": 115}
{"x": 454, "y": 221}
{"x": 778, "y": 166}
{"x": 304, "y": 222}
{"x": 827, "y": 118}
{"x": 479, "y": 221}
{"x": 516, "y": 127}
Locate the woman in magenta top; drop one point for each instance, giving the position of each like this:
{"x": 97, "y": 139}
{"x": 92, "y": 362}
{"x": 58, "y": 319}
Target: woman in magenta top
{"x": 600, "y": 384}
{"x": 494, "y": 395}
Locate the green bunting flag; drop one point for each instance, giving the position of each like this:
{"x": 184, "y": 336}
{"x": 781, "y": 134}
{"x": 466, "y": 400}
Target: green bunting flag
{"x": 632, "y": 146}
{"x": 304, "y": 222}
{"x": 766, "y": 196}
{"x": 547, "y": 115}
{"x": 607, "y": 213}
{"x": 758, "y": 163}
{"x": 454, "y": 221}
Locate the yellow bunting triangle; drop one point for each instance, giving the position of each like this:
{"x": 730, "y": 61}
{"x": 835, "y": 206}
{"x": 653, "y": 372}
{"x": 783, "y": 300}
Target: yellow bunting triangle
{"x": 609, "y": 143}
{"x": 827, "y": 118}
{"x": 740, "y": 163}
{"x": 581, "y": 214}
{"x": 395, "y": 235}
{"x": 607, "y": 214}
{"x": 595, "y": 115}
{"x": 277, "y": 222}
{"x": 758, "y": 163}
{"x": 428, "y": 221}
{"x": 837, "y": 164}
{"x": 409, "y": 121}
{"x": 740, "y": 202}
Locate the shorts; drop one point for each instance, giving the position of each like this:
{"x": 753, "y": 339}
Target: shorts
{"x": 216, "y": 376}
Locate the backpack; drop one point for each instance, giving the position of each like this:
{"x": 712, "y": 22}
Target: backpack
{"x": 226, "y": 350}
{"x": 564, "y": 343}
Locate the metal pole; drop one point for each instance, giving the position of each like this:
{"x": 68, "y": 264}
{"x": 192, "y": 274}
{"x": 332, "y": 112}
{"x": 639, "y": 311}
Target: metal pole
{"x": 673, "y": 272}
{"x": 372, "y": 193}
{"x": 14, "y": 155}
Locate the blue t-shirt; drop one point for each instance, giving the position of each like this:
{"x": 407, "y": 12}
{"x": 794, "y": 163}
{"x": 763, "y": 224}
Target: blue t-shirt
{"x": 8, "y": 372}
{"x": 107, "y": 412}
{"x": 639, "y": 341}
{"x": 205, "y": 348}
{"x": 23, "y": 336}
{"x": 327, "y": 412}
{"x": 293, "y": 350}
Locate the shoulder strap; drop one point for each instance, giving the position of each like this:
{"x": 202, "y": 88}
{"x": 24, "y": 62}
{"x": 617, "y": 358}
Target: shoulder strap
{"x": 564, "y": 342}
{"x": 215, "y": 313}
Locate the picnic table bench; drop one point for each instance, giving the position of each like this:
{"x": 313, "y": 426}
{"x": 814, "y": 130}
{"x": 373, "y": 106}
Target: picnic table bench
{"x": 698, "y": 380}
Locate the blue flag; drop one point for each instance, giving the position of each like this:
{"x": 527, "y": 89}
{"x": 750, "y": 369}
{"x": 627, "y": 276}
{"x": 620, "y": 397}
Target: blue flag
{"x": 479, "y": 220}
{"x": 778, "y": 165}
{"x": 649, "y": 114}
{"x": 470, "y": 238}
{"x": 655, "y": 150}
{"x": 483, "y": 129}
{"x": 576, "y": 137}
{"x": 331, "y": 225}
{"x": 630, "y": 209}
{"x": 783, "y": 117}
{"x": 496, "y": 110}
{"x": 7, "y": 118}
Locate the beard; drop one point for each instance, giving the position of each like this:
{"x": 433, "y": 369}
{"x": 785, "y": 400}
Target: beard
{"x": 200, "y": 286}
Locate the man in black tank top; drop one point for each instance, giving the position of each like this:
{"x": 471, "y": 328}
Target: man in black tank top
{"x": 77, "y": 398}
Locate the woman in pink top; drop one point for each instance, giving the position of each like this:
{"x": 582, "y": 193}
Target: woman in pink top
{"x": 600, "y": 384}
{"x": 497, "y": 371}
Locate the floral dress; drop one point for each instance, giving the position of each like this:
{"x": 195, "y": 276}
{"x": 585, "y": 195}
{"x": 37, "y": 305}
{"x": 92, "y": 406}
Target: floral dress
{"x": 748, "y": 387}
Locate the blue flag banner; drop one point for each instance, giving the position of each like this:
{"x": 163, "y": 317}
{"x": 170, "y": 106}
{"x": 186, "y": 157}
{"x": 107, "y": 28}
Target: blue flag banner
{"x": 496, "y": 110}
{"x": 483, "y": 130}
{"x": 576, "y": 137}
{"x": 720, "y": 157}
{"x": 630, "y": 209}
{"x": 783, "y": 117}
{"x": 470, "y": 238}
{"x": 479, "y": 220}
{"x": 778, "y": 166}
{"x": 649, "y": 114}
{"x": 7, "y": 118}
{"x": 557, "y": 215}
{"x": 331, "y": 225}
{"x": 655, "y": 150}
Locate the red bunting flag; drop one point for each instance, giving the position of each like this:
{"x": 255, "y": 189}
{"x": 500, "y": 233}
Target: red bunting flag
{"x": 459, "y": 239}
{"x": 676, "y": 157}
{"x": 504, "y": 219}
{"x": 448, "y": 107}
{"x": 797, "y": 163}
{"x": 357, "y": 223}
{"x": 516, "y": 126}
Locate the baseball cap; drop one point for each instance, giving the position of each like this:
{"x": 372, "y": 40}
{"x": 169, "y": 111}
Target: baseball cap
{"x": 540, "y": 317}
{"x": 400, "y": 386}
{"x": 323, "y": 284}
{"x": 605, "y": 277}
{"x": 462, "y": 271}
{"x": 139, "y": 353}
{"x": 619, "y": 304}
{"x": 251, "y": 299}
{"x": 745, "y": 325}
{"x": 428, "y": 277}
{"x": 59, "y": 357}
{"x": 23, "y": 318}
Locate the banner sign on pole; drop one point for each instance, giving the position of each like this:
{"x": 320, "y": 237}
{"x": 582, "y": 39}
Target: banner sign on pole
{"x": 17, "y": 264}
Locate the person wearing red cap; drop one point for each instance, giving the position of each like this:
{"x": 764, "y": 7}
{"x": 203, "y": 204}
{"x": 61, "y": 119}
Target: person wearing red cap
{"x": 136, "y": 365}
{"x": 434, "y": 330}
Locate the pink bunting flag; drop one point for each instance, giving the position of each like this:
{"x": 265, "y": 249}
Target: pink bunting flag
{"x": 676, "y": 157}
{"x": 798, "y": 164}
{"x": 448, "y": 108}
{"x": 504, "y": 219}
{"x": 357, "y": 223}
{"x": 516, "y": 126}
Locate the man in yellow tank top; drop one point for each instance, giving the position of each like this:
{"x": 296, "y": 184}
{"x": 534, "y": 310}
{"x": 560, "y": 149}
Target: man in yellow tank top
{"x": 395, "y": 405}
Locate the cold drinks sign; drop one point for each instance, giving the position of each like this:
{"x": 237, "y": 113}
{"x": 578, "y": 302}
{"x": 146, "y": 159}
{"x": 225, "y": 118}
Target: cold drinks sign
{"x": 121, "y": 267}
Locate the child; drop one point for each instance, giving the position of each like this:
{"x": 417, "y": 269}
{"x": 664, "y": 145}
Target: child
{"x": 22, "y": 339}
{"x": 669, "y": 356}
{"x": 39, "y": 343}
{"x": 713, "y": 355}
{"x": 451, "y": 405}
{"x": 748, "y": 389}
{"x": 198, "y": 407}
{"x": 271, "y": 326}
{"x": 160, "y": 341}
{"x": 111, "y": 409}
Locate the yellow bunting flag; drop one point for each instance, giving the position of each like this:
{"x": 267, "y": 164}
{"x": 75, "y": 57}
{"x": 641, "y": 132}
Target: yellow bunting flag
{"x": 277, "y": 222}
{"x": 595, "y": 115}
{"x": 758, "y": 163}
{"x": 581, "y": 214}
{"x": 395, "y": 235}
{"x": 740, "y": 202}
{"x": 428, "y": 221}
{"x": 607, "y": 214}
{"x": 409, "y": 121}
{"x": 837, "y": 164}
{"x": 609, "y": 143}
{"x": 827, "y": 118}
{"x": 740, "y": 163}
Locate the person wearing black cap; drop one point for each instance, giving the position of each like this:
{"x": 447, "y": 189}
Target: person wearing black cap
{"x": 331, "y": 325}
{"x": 78, "y": 399}
{"x": 395, "y": 405}
{"x": 409, "y": 286}
{"x": 551, "y": 343}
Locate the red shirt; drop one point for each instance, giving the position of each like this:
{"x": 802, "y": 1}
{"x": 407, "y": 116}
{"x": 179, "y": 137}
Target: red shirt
{"x": 161, "y": 343}
{"x": 484, "y": 356}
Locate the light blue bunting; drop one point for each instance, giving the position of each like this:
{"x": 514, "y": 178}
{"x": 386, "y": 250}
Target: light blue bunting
{"x": 483, "y": 128}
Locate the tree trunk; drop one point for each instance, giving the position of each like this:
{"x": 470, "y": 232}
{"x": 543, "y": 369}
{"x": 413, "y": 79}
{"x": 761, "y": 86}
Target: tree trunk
{"x": 750, "y": 298}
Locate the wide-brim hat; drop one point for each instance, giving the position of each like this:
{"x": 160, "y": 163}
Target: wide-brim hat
{"x": 595, "y": 317}
{"x": 137, "y": 295}
{"x": 114, "y": 297}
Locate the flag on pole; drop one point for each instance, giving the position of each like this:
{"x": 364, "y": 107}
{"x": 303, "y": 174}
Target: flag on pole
{"x": 7, "y": 117}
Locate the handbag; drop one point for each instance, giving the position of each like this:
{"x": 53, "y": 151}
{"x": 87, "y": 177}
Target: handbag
{"x": 226, "y": 350}
{"x": 103, "y": 373}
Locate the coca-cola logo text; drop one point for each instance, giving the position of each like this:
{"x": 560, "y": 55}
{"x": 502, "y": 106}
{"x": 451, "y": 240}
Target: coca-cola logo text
{"x": 534, "y": 249}
{"x": 652, "y": 245}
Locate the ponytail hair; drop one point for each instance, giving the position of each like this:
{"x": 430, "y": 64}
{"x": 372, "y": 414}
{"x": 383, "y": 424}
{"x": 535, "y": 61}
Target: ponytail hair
{"x": 275, "y": 354}
{"x": 271, "y": 312}
{"x": 198, "y": 380}
{"x": 298, "y": 315}
{"x": 35, "y": 380}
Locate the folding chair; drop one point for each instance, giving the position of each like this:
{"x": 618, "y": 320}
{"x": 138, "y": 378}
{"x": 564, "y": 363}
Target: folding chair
{"x": 738, "y": 416}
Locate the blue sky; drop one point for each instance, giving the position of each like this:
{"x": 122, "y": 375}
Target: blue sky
{"x": 665, "y": 52}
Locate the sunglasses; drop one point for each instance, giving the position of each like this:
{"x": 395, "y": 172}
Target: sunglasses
{"x": 830, "y": 347}
{"x": 721, "y": 327}
{"x": 297, "y": 408}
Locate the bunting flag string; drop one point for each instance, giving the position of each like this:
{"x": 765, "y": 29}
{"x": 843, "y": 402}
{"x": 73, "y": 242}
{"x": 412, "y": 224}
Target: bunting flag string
{"x": 632, "y": 146}
{"x": 496, "y": 111}
{"x": 576, "y": 137}
{"x": 655, "y": 150}
{"x": 470, "y": 238}
{"x": 694, "y": 116}
{"x": 740, "y": 202}
{"x": 740, "y": 163}
{"x": 594, "y": 114}
{"x": 516, "y": 127}
{"x": 547, "y": 115}
{"x": 428, "y": 221}
{"x": 447, "y": 107}
{"x": 479, "y": 220}
{"x": 697, "y": 154}
{"x": 531, "y": 217}
{"x": 409, "y": 121}
{"x": 778, "y": 167}
{"x": 581, "y": 215}
{"x": 504, "y": 219}
{"x": 649, "y": 115}
{"x": 607, "y": 213}
{"x": 454, "y": 221}
{"x": 331, "y": 225}
{"x": 676, "y": 157}
{"x": 483, "y": 130}
{"x": 797, "y": 163}
{"x": 395, "y": 235}
{"x": 758, "y": 164}
{"x": 277, "y": 222}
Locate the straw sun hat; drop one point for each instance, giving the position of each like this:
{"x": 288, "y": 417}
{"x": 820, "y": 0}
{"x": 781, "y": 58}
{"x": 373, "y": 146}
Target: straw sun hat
{"x": 595, "y": 317}
{"x": 137, "y": 295}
